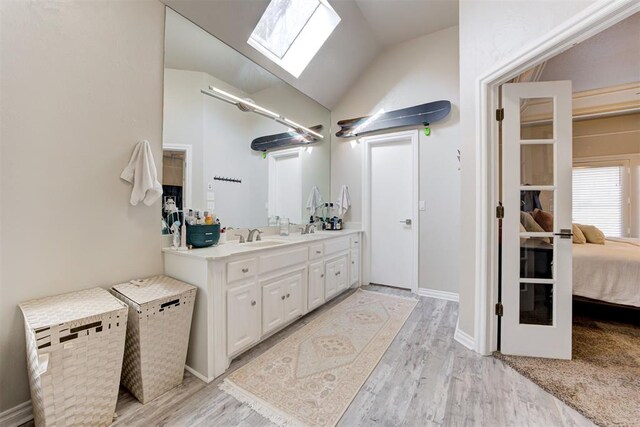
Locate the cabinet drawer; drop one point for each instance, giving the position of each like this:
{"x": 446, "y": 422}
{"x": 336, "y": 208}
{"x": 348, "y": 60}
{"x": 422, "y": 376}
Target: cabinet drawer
{"x": 355, "y": 241}
{"x": 237, "y": 270}
{"x": 337, "y": 245}
{"x": 280, "y": 260}
{"x": 316, "y": 251}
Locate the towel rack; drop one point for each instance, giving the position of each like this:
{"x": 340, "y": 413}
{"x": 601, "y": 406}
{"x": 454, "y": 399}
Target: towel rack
{"x": 225, "y": 179}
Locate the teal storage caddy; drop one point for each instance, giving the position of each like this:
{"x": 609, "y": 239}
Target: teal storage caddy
{"x": 202, "y": 236}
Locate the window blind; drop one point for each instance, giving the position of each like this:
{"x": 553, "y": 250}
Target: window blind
{"x": 598, "y": 198}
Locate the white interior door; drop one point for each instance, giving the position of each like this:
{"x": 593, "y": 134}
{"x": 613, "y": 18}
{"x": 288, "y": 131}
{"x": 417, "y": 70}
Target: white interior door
{"x": 391, "y": 193}
{"x": 536, "y": 266}
{"x": 285, "y": 185}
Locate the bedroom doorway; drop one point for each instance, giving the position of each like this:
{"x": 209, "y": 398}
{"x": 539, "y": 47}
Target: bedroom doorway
{"x": 536, "y": 260}
{"x": 594, "y": 20}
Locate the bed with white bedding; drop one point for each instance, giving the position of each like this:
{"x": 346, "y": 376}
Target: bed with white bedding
{"x": 609, "y": 272}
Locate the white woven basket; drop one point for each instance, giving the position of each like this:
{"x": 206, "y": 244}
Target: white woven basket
{"x": 75, "y": 344}
{"x": 160, "y": 310}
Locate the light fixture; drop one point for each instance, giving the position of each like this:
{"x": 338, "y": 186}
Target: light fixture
{"x": 246, "y": 105}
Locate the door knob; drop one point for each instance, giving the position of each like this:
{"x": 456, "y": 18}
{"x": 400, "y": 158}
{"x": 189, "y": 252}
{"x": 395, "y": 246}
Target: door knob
{"x": 288, "y": 295}
{"x": 282, "y": 297}
{"x": 253, "y": 303}
{"x": 407, "y": 221}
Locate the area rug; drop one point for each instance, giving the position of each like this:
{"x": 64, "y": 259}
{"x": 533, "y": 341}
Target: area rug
{"x": 602, "y": 381}
{"x": 311, "y": 377}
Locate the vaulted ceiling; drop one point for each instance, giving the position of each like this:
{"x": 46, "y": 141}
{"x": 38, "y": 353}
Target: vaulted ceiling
{"x": 367, "y": 27}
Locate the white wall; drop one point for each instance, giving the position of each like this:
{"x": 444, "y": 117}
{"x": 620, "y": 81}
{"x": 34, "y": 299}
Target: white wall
{"x": 490, "y": 31}
{"x": 609, "y": 58}
{"x": 414, "y": 72}
{"x": 81, "y": 84}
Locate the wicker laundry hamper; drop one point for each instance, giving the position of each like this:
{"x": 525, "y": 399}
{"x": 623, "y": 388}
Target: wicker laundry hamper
{"x": 160, "y": 310}
{"x": 75, "y": 345}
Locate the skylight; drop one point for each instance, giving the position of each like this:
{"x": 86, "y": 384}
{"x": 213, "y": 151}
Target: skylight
{"x": 291, "y": 32}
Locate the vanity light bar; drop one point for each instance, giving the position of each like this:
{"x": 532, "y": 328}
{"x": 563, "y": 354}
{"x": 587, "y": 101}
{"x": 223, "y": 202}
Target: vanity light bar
{"x": 298, "y": 126}
{"x": 235, "y": 100}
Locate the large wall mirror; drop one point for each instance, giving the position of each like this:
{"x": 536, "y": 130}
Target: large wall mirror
{"x": 208, "y": 162}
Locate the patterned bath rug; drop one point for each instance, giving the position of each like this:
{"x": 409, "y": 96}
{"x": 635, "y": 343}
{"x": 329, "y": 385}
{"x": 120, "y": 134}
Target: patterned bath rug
{"x": 311, "y": 377}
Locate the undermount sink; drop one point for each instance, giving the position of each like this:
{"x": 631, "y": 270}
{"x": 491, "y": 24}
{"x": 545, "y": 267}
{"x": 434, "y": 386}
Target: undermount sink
{"x": 264, "y": 243}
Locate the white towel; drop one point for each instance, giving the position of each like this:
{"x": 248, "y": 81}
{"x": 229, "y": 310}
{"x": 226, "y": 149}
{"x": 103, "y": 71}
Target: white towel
{"x": 344, "y": 200}
{"x": 141, "y": 172}
{"x": 314, "y": 201}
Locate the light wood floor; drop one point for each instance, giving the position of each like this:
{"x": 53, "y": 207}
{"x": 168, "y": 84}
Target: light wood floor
{"x": 424, "y": 379}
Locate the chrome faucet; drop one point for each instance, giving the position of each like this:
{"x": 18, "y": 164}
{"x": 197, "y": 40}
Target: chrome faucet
{"x": 308, "y": 229}
{"x": 251, "y": 234}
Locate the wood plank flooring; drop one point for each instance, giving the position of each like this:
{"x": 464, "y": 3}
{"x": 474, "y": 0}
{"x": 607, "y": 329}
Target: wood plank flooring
{"x": 425, "y": 378}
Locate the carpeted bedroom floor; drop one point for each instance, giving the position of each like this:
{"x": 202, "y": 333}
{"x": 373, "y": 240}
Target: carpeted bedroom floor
{"x": 603, "y": 379}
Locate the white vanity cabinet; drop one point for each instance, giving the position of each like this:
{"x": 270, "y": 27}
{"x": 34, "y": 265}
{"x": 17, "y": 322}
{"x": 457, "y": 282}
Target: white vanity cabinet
{"x": 354, "y": 259}
{"x": 316, "y": 285}
{"x": 243, "y": 316}
{"x": 247, "y": 293}
{"x": 336, "y": 279}
{"x": 282, "y": 300}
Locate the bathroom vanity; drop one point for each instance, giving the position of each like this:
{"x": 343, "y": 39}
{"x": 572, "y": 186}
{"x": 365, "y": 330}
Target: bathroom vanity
{"x": 249, "y": 291}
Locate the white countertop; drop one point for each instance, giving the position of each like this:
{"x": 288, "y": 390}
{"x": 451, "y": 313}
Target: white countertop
{"x": 231, "y": 248}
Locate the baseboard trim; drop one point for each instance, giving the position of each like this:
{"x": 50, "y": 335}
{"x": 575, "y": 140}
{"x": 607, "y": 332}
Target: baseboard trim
{"x": 434, "y": 293}
{"x": 17, "y": 415}
{"x": 465, "y": 339}
{"x": 198, "y": 374}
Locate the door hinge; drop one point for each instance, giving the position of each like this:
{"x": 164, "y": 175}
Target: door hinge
{"x": 500, "y": 114}
{"x": 500, "y": 211}
{"x": 499, "y": 309}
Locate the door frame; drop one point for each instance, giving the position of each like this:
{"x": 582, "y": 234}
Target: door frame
{"x": 271, "y": 174}
{"x": 188, "y": 159}
{"x": 589, "y": 22}
{"x": 367, "y": 143}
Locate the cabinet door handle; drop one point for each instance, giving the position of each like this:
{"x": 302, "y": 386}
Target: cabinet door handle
{"x": 355, "y": 243}
{"x": 353, "y": 262}
{"x": 253, "y": 303}
{"x": 338, "y": 273}
{"x": 318, "y": 252}
{"x": 245, "y": 270}
{"x": 288, "y": 295}
{"x": 322, "y": 275}
{"x": 282, "y": 297}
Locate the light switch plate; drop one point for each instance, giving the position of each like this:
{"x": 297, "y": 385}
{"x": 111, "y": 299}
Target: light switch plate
{"x": 422, "y": 205}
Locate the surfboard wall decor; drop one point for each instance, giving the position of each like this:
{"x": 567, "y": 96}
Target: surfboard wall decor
{"x": 424, "y": 114}
{"x": 285, "y": 140}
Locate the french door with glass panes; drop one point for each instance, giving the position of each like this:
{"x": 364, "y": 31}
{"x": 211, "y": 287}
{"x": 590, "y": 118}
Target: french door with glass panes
{"x": 536, "y": 261}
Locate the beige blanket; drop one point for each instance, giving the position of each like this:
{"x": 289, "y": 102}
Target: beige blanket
{"x": 609, "y": 272}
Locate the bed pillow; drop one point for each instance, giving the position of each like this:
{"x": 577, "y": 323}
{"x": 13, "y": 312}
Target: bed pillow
{"x": 531, "y": 225}
{"x": 578, "y": 235}
{"x": 545, "y": 219}
{"x": 592, "y": 233}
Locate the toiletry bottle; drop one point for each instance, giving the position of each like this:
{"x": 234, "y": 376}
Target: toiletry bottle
{"x": 208, "y": 219}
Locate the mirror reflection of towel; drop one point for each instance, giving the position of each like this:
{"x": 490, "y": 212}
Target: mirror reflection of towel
{"x": 344, "y": 200}
{"x": 314, "y": 201}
